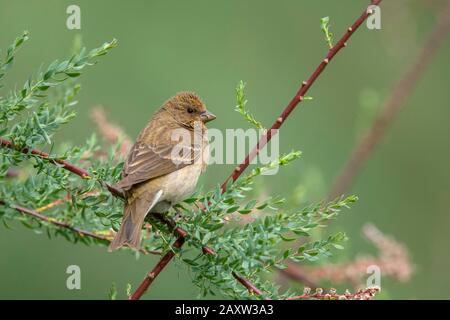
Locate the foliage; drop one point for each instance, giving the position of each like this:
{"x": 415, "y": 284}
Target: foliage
{"x": 112, "y": 295}
{"x": 253, "y": 248}
{"x": 10, "y": 53}
{"x": 89, "y": 206}
{"x": 29, "y": 117}
{"x": 241, "y": 106}
{"x": 325, "y": 26}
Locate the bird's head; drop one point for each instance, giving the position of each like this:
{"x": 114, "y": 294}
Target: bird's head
{"x": 187, "y": 108}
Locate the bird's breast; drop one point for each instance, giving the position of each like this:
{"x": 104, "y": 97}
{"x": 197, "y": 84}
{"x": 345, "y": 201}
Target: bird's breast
{"x": 180, "y": 184}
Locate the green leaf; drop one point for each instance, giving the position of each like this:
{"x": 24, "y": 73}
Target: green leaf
{"x": 112, "y": 295}
{"x": 288, "y": 239}
{"x": 232, "y": 209}
{"x": 325, "y": 26}
{"x": 241, "y": 106}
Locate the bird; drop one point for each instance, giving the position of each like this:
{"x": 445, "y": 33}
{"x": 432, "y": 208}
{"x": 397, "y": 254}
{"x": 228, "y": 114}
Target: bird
{"x": 163, "y": 167}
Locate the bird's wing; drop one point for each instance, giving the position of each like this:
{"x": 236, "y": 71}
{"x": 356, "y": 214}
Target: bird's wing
{"x": 147, "y": 162}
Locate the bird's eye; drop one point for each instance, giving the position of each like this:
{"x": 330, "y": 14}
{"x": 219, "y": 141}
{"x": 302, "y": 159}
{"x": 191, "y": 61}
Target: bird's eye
{"x": 190, "y": 110}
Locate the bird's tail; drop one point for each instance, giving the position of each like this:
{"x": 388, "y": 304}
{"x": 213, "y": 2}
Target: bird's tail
{"x": 130, "y": 229}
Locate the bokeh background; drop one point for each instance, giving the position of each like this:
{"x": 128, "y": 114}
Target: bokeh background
{"x": 208, "y": 46}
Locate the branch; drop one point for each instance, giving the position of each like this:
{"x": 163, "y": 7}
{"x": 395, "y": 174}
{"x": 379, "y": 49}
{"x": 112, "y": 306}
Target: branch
{"x": 389, "y": 111}
{"x": 81, "y": 232}
{"x": 74, "y": 169}
{"x": 247, "y": 284}
{"x": 62, "y": 163}
{"x": 306, "y": 85}
{"x": 156, "y": 270}
{"x": 299, "y": 96}
{"x": 392, "y": 257}
{"x": 365, "y": 294}
{"x": 85, "y": 175}
{"x": 37, "y": 215}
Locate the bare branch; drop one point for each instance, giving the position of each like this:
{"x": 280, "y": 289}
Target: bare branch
{"x": 306, "y": 85}
{"x": 365, "y": 294}
{"x": 247, "y": 284}
{"x": 390, "y": 110}
{"x": 366, "y": 146}
{"x": 64, "y": 164}
{"x": 79, "y": 231}
{"x": 156, "y": 270}
{"x": 301, "y": 93}
{"x": 291, "y": 106}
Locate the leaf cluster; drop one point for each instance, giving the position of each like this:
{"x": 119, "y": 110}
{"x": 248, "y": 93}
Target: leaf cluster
{"x": 251, "y": 234}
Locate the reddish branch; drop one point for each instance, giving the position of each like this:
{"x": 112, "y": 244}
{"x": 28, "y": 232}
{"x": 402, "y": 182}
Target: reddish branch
{"x": 79, "y": 231}
{"x": 365, "y": 148}
{"x": 390, "y": 110}
{"x": 70, "y": 167}
{"x": 74, "y": 169}
{"x": 85, "y": 175}
{"x": 306, "y": 85}
{"x": 39, "y": 216}
{"x": 62, "y": 163}
{"x": 156, "y": 270}
{"x": 299, "y": 96}
{"x": 247, "y": 284}
{"x": 366, "y": 294}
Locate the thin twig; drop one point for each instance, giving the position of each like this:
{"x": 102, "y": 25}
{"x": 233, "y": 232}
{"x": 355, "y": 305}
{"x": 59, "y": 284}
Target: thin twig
{"x": 306, "y": 85}
{"x": 246, "y": 283}
{"x": 365, "y": 294}
{"x": 79, "y": 231}
{"x": 78, "y": 171}
{"x": 62, "y": 163}
{"x": 389, "y": 111}
{"x": 85, "y": 175}
{"x": 37, "y": 215}
{"x": 299, "y": 96}
{"x": 68, "y": 198}
{"x": 156, "y": 270}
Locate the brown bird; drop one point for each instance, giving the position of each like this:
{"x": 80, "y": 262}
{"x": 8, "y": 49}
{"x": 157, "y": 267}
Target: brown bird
{"x": 163, "y": 166}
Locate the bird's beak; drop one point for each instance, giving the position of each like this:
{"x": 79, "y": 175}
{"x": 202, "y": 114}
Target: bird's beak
{"x": 207, "y": 116}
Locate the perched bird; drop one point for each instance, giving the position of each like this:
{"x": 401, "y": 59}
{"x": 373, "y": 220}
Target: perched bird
{"x": 163, "y": 166}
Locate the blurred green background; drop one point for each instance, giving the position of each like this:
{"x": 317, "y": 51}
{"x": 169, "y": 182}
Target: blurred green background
{"x": 208, "y": 46}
